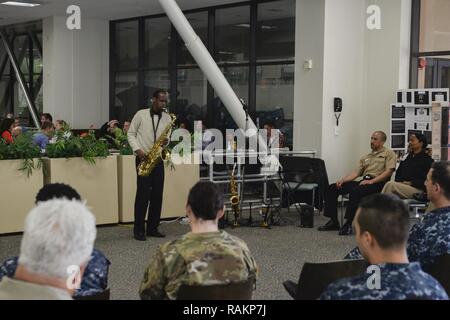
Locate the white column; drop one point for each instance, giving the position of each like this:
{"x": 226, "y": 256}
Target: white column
{"x": 76, "y": 71}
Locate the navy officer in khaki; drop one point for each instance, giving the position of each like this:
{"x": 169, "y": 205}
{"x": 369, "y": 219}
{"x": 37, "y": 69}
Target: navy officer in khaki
{"x": 374, "y": 169}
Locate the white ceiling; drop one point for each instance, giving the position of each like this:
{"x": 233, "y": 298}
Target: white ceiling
{"x": 95, "y": 9}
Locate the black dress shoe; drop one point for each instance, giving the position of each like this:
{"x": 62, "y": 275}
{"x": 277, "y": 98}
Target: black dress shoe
{"x": 330, "y": 226}
{"x": 140, "y": 237}
{"x": 156, "y": 234}
{"x": 346, "y": 230}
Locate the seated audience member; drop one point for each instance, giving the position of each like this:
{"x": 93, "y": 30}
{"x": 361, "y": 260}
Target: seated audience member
{"x": 95, "y": 277}
{"x": 412, "y": 172}
{"x": 6, "y": 127}
{"x": 16, "y": 131}
{"x": 16, "y": 123}
{"x": 41, "y": 139}
{"x": 126, "y": 126}
{"x": 269, "y": 126}
{"x": 60, "y": 125}
{"x": 203, "y": 256}
{"x": 374, "y": 168}
{"x": 110, "y": 130}
{"x": 429, "y": 238}
{"x": 382, "y": 225}
{"x": 58, "y": 237}
{"x": 46, "y": 117}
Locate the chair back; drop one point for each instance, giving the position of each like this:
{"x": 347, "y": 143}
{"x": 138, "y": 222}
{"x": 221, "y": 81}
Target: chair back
{"x": 230, "y": 291}
{"x": 315, "y": 277}
{"x": 296, "y": 169}
{"x": 440, "y": 270}
{"x": 104, "y": 295}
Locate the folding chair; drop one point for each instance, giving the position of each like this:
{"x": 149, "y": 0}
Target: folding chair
{"x": 103, "y": 295}
{"x": 416, "y": 206}
{"x": 315, "y": 277}
{"x": 293, "y": 173}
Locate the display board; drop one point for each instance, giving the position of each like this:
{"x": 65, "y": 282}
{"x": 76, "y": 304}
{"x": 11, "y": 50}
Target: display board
{"x": 421, "y": 111}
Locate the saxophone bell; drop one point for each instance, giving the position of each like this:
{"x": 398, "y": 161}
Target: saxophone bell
{"x": 234, "y": 200}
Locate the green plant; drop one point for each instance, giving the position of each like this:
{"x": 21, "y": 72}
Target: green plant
{"x": 22, "y": 148}
{"x": 87, "y": 146}
{"x": 120, "y": 142}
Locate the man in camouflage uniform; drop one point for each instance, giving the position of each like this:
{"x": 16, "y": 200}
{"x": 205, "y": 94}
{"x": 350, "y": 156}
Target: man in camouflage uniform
{"x": 382, "y": 224}
{"x": 204, "y": 256}
{"x": 374, "y": 169}
{"x": 429, "y": 238}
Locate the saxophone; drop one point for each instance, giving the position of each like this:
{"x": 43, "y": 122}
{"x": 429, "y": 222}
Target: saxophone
{"x": 234, "y": 199}
{"x": 155, "y": 154}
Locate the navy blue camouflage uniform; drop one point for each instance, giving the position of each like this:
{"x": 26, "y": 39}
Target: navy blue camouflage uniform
{"x": 397, "y": 282}
{"x": 95, "y": 277}
{"x": 428, "y": 239}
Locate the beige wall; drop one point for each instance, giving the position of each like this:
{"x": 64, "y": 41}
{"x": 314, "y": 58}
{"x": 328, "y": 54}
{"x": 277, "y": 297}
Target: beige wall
{"x": 363, "y": 67}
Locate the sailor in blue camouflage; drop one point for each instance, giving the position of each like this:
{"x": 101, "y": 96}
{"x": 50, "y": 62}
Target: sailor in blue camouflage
{"x": 397, "y": 282}
{"x": 95, "y": 277}
{"x": 428, "y": 239}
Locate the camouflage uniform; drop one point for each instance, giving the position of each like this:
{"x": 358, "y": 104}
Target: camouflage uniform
{"x": 95, "y": 277}
{"x": 428, "y": 239}
{"x": 202, "y": 258}
{"x": 397, "y": 282}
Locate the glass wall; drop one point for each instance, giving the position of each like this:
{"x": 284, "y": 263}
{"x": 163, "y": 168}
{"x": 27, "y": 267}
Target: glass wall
{"x": 27, "y": 48}
{"x": 253, "y": 43}
{"x": 431, "y": 44}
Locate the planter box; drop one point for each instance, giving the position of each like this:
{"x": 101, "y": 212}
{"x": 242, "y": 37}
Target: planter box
{"x": 177, "y": 184}
{"x": 97, "y": 184}
{"x": 17, "y": 195}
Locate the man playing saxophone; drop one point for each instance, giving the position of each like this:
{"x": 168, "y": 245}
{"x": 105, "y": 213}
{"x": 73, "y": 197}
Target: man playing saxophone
{"x": 145, "y": 129}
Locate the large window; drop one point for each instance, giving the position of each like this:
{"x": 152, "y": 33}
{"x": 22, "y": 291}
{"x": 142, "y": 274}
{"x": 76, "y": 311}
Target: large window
{"x": 126, "y": 45}
{"x": 27, "y": 49}
{"x": 430, "y": 67}
{"x": 232, "y": 34}
{"x": 276, "y": 31}
{"x": 253, "y": 43}
{"x": 157, "y": 40}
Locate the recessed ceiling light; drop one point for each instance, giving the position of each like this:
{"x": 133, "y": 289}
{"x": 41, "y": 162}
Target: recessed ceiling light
{"x": 20, "y": 4}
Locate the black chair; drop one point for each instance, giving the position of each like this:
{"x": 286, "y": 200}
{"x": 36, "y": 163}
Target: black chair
{"x": 440, "y": 270}
{"x": 230, "y": 291}
{"x": 104, "y": 295}
{"x": 303, "y": 174}
{"x": 315, "y": 277}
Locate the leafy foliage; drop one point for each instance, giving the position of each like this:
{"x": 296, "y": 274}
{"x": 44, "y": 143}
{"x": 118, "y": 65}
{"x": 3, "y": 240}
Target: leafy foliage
{"x": 87, "y": 146}
{"x": 120, "y": 142}
{"x": 22, "y": 148}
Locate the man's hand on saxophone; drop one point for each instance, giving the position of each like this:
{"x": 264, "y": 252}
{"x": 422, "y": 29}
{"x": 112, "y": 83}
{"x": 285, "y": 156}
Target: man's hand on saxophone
{"x": 140, "y": 154}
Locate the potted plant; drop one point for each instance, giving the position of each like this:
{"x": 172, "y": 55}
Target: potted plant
{"x": 21, "y": 176}
{"x": 84, "y": 162}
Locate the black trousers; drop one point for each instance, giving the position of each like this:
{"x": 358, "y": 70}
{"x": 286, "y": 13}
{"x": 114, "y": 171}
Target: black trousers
{"x": 355, "y": 191}
{"x": 149, "y": 191}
